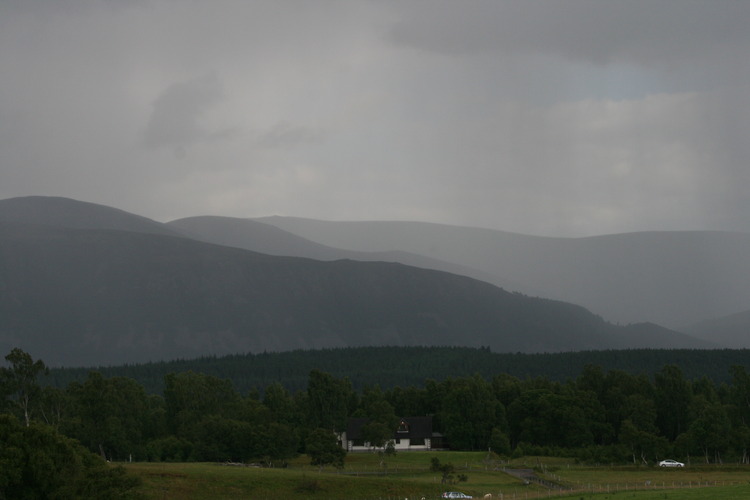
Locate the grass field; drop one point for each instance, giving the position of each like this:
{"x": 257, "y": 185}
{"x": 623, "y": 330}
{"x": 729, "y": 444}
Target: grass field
{"x": 407, "y": 475}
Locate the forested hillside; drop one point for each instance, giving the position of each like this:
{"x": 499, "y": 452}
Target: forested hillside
{"x": 391, "y": 366}
{"x": 600, "y": 415}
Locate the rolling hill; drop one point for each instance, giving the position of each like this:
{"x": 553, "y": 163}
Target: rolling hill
{"x": 670, "y": 278}
{"x": 732, "y": 331}
{"x": 74, "y": 214}
{"x": 75, "y": 295}
{"x": 267, "y": 238}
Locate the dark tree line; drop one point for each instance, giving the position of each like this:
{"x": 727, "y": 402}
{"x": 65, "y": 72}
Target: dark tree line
{"x": 405, "y": 366}
{"x": 605, "y": 416}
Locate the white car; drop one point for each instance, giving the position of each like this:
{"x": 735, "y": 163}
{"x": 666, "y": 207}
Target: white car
{"x": 671, "y": 463}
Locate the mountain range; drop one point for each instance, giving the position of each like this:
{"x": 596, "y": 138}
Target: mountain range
{"x": 673, "y": 278}
{"x": 692, "y": 281}
{"x": 86, "y": 284}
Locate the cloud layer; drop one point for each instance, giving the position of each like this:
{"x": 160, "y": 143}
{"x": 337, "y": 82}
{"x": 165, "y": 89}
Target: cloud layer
{"x": 574, "y": 118}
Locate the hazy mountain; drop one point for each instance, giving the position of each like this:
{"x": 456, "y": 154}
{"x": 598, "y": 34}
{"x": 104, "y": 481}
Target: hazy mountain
{"x": 669, "y": 278}
{"x": 64, "y": 212}
{"x": 730, "y": 331}
{"x": 94, "y": 296}
{"x": 267, "y": 238}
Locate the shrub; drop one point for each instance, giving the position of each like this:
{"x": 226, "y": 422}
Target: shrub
{"x": 38, "y": 462}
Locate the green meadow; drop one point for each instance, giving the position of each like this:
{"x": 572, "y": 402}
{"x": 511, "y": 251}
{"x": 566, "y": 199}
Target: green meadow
{"x": 408, "y": 476}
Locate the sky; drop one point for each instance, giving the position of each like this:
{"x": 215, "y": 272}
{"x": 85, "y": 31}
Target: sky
{"x": 554, "y": 118}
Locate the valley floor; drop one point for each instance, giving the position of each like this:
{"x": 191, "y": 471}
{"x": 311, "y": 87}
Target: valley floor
{"x": 407, "y": 475}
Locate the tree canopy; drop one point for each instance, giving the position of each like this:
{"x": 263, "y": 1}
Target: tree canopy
{"x": 598, "y": 415}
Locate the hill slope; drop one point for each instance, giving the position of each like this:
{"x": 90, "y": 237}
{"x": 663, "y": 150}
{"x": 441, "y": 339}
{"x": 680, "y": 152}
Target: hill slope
{"x": 267, "y": 238}
{"x": 83, "y": 297}
{"x": 669, "y": 278}
{"x": 732, "y": 331}
{"x": 72, "y": 293}
{"x": 64, "y": 212}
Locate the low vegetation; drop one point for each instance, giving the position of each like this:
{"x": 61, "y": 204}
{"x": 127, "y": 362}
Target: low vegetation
{"x": 409, "y": 475}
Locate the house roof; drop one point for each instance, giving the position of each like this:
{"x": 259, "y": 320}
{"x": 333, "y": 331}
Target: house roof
{"x": 409, "y": 427}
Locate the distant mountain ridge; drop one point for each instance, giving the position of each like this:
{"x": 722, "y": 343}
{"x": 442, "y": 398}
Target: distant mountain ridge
{"x": 73, "y": 214}
{"x": 75, "y": 295}
{"x": 671, "y": 278}
{"x": 267, "y": 238}
{"x": 732, "y": 331}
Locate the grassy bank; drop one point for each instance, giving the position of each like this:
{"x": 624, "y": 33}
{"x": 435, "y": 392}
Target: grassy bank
{"x": 407, "y": 475}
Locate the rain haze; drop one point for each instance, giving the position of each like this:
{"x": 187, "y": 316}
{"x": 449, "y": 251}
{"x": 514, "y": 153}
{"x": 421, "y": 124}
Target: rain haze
{"x": 556, "y": 118}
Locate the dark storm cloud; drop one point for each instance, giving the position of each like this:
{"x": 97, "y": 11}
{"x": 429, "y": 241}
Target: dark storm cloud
{"x": 641, "y": 31}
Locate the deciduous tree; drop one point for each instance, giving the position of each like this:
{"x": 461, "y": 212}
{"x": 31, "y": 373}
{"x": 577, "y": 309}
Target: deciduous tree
{"x": 323, "y": 448}
{"x": 20, "y": 380}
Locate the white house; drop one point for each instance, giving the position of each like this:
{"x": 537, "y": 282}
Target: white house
{"x": 412, "y": 433}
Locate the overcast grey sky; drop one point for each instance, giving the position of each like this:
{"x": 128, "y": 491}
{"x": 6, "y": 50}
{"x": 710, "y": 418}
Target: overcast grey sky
{"x": 556, "y": 117}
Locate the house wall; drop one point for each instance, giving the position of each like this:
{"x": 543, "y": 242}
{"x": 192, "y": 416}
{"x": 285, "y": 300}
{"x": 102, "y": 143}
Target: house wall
{"x": 405, "y": 444}
{"x": 401, "y": 445}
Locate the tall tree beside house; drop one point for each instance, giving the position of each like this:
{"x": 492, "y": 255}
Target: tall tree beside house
{"x": 282, "y": 405}
{"x": 382, "y": 419}
{"x": 323, "y": 448}
{"x": 19, "y": 381}
{"x": 330, "y": 401}
{"x": 408, "y": 401}
{"x": 382, "y": 422}
{"x": 377, "y": 434}
{"x": 279, "y": 442}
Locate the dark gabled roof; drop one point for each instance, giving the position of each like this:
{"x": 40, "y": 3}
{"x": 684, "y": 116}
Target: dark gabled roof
{"x": 415, "y": 428}
{"x": 418, "y": 427}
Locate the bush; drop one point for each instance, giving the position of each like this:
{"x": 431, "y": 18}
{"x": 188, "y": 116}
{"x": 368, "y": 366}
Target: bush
{"x": 38, "y": 462}
{"x": 169, "y": 449}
